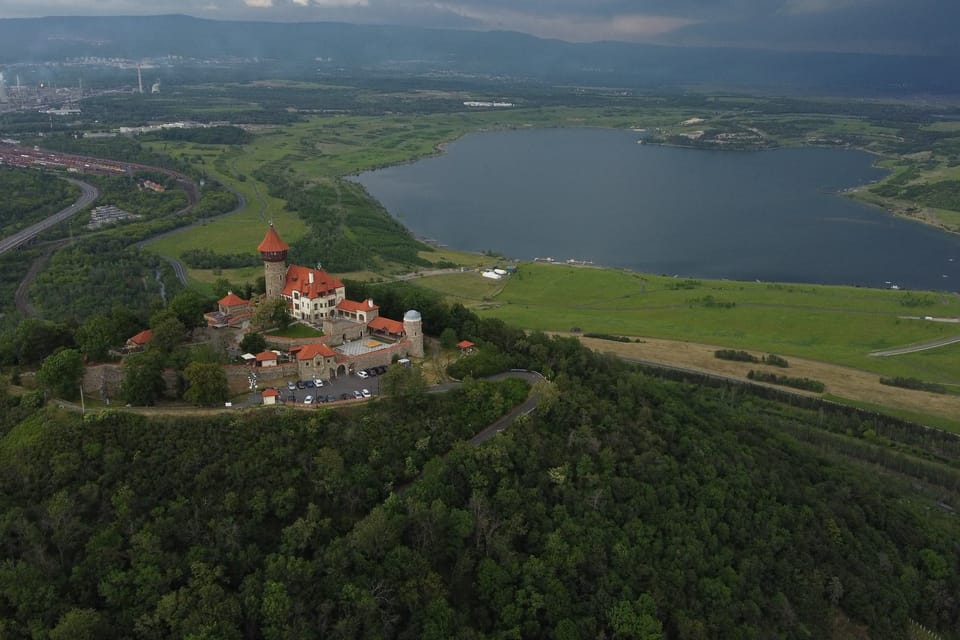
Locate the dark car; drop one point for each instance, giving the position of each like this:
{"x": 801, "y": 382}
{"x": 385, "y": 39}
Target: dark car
{"x": 331, "y": 398}
{"x": 346, "y": 396}
{"x": 309, "y": 384}
{"x": 300, "y": 384}
{"x": 382, "y": 369}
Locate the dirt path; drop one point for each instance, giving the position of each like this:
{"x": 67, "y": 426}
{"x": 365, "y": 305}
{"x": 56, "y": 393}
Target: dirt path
{"x": 844, "y": 382}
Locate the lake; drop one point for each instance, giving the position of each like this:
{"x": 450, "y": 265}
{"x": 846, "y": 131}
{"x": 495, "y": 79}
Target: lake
{"x": 598, "y": 195}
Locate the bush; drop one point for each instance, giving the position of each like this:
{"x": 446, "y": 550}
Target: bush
{"x": 807, "y": 384}
{"x": 737, "y": 355}
{"x": 607, "y": 336}
{"x": 775, "y": 361}
{"x": 914, "y": 383}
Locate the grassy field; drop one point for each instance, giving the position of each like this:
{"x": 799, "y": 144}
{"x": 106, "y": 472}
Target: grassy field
{"x": 239, "y": 232}
{"x": 841, "y": 325}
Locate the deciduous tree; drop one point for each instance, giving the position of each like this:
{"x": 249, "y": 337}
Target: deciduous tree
{"x": 61, "y": 372}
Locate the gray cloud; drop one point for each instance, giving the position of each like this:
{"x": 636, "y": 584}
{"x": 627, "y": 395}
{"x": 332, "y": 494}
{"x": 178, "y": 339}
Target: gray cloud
{"x": 914, "y": 26}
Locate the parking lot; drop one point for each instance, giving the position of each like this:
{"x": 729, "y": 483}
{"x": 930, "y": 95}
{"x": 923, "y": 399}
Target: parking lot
{"x": 334, "y": 389}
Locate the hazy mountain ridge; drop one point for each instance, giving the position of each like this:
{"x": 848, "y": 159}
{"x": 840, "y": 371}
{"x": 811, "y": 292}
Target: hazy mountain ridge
{"x": 333, "y": 46}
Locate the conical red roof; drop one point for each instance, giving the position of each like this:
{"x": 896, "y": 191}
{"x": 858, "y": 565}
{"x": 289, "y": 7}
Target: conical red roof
{"x": 272, "y": 243}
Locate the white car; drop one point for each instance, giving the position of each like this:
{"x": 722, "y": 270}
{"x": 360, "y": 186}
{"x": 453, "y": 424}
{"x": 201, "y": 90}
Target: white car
{"x": 318, "y": 382}
{"x": 363, "y": 374}
{"x": 366, "y": 393}
{"x": 308, "y": 400}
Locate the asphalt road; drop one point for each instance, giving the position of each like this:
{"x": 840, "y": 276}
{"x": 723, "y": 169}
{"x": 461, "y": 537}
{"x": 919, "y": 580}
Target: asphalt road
{"x": 90, "y": 193}
{"x": 917, "y": 347}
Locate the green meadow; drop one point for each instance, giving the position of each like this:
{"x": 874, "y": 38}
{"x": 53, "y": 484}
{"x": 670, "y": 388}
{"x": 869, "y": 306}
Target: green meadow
{"x": 835, "y": 324}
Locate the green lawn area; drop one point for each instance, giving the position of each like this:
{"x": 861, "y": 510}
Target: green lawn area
{"x": 841, "y": 325}
{"x": 296, "y": 331}
{"x": 239, "y": 232}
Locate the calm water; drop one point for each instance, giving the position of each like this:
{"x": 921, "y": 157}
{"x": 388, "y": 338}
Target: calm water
{"x": 597, "y": 195}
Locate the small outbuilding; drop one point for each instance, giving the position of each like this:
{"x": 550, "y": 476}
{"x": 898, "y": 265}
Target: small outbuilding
{"x": 270, "y": 396}
{"x": 267, "y": 359}
{"x": 139, "y": 341}
{"x": 465, "y": 347}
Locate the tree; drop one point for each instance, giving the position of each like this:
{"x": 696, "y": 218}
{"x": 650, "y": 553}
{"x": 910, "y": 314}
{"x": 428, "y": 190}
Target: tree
{"x": 406, "y": 384}
{"x": 96, "y": 335}
{"x": 253, "y": 342}
{"x": 61, "y": 372}
{"x": 168, "y": 332}
{"x": 189, "y": 307}
{"x": 206, "y": 383}
{"x": 272, "y": 313}
{"x": 143, "y": 380}
{"x": 36, "y": 339}
{"x": 448, "y": 338}
{"x": 79, "y": 624}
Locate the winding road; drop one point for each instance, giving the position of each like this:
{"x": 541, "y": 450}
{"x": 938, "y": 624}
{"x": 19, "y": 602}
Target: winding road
{"x": 90, "y": 193}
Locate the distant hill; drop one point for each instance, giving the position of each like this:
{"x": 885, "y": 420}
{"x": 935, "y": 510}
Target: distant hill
{"x": 516, "y": 55}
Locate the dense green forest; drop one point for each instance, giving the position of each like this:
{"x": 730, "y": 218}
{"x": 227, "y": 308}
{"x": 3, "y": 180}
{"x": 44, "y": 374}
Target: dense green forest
{"x": 625, "y": 506}
{"x": 29, "y": 196}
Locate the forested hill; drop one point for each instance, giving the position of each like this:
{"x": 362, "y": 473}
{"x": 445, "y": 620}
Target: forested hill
{"x": 626, "y": 506}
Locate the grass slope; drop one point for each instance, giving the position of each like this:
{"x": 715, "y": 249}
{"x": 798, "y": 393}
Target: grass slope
{"x": 841, "y": 325}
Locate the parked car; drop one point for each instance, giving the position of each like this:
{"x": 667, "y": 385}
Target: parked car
{"x": 345, "y": 396}
{"x": 357, "y": 394}
{"x": 363, "y": 374}
{"x": 309, "y": 384}
{"x": 331, "y": 398}
{"x": 308, "y": 400}
{"x": 366, "y": 393}
{"x": 318, "y": 382}
{"x": 300, "y": 384}
{"x": 291, "y": 385}
{"x": 382, "y": 369}
{"x": 372, "y": 371}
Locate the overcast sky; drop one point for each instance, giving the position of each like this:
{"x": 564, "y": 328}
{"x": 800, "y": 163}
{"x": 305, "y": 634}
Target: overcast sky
{"x": 892, "y": 26}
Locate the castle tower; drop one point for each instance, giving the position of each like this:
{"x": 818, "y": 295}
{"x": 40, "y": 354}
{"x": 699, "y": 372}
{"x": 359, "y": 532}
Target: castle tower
{"x": 273, "y": 250}
{"x": 413, "y": 327}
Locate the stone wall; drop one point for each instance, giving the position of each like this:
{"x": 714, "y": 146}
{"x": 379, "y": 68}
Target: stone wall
{"x": 238, "y": 381}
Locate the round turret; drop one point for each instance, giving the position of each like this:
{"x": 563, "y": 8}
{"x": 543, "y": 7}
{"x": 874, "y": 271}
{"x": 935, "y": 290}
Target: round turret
{"x": 413, "y": 328}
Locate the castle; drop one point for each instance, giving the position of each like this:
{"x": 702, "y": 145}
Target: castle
{"x": 355, "y": 335}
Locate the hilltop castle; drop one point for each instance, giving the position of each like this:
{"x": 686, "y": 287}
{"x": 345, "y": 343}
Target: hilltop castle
{"x": 355, "y": 335}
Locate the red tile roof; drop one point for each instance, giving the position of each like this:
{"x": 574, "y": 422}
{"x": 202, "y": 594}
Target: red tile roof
{"x": 465, "y": 344}
{"x": 270, "y": 393}
{"x": 311, "y": 351}
{"x": 386, "y": 324}
{"x": 231, "y": 300}
{"x": 263, "y": 356}
{"x": 353, "y": 307}
{"x": 272, "y": 243}
{"x": 298, "y": 279}
{"x": 142, "y": 338}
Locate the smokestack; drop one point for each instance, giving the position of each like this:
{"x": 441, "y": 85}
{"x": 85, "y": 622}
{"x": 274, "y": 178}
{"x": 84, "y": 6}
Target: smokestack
{"x": 311, "y": 277}
{"x": 139, "y": 79}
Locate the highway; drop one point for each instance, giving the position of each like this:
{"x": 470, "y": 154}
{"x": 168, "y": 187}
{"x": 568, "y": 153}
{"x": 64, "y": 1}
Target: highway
{"x": 90, "y": 193}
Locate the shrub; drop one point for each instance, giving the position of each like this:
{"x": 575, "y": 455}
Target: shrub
{"x": 807, "y": 384}
{"x": 737, "y": 355}
{"x": 775, "y": 361}
{"x": 914, "y": 383}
